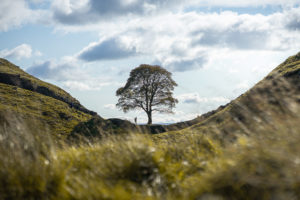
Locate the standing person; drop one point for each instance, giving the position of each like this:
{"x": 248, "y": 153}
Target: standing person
{"x": 135, "y": 120}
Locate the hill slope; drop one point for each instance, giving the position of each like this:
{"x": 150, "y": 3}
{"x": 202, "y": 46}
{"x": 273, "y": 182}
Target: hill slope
{"x": 12, "y": 75}
{"x": 29, "y": 104}
{"x": 271, "y": 105}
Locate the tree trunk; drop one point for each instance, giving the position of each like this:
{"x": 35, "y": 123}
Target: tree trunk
{"x": 149, "y": 117}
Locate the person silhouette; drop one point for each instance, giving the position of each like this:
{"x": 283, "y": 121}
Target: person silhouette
{"x": 135, "y": 120}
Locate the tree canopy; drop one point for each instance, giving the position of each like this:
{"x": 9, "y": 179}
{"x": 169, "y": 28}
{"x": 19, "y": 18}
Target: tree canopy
{"x": 149, "y": 88}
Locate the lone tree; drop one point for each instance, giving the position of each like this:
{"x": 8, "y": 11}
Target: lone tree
{"x": 149, "y": 88}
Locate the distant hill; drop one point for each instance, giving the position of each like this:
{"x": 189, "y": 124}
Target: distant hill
{"x": 27, "y": 103}
{"x": 271, "y": 105}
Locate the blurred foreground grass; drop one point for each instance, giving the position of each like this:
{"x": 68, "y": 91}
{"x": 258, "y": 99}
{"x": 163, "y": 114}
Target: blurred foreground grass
{"x": 135, "y": 166}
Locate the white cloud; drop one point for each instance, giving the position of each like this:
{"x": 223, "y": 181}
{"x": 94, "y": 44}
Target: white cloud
{"x": 51, "y": 69}
{"x": 38, "y": 53}
{"x": 85, "y": 85}
{"x": 91, "y": 11}
{"x": 78, "y": 85}
{"x": 179, "y": 116}
{"x": 17, "y": 12}
{"x": 12, "y": 14}
{"x": 72, "y": 12}
{"x": 243, "y": 85}
{"x": 112, "y": 48}
{"x": 70, "y": 74}
{"x": 110, "y": 106}
{"x": 292, "y": 19}
{"x": 19, "y": 52}
{"x": 185, "y": 41}
{"x": 195, "y": 98}
{"x": 242, "y": 3}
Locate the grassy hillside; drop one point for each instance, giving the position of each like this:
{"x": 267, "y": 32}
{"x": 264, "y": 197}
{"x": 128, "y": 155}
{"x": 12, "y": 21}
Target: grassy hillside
{"x": 37, "y": 112}
{"x": 10, "y": 69}
{"x": 28, "y": 110}
{"x": 269, "y": 106}
{"x": 247, "y": 150}
{"x": 12, "y": 75}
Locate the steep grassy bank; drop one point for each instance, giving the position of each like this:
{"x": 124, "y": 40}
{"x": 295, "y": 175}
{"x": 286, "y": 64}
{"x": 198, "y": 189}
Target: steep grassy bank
{"x": 28, "y": 104}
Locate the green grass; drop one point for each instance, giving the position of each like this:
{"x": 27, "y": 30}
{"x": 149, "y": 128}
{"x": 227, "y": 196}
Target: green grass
{"x": 42, "y": 113}
{"x": 9, "y": 68}
{"x": 35, "y": 112}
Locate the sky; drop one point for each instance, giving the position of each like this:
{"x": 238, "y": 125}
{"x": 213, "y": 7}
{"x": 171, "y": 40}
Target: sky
{"x": 215, "y": 49}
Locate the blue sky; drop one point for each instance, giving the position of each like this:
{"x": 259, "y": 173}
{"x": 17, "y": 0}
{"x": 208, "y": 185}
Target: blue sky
{"x": 216, "y": 49}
